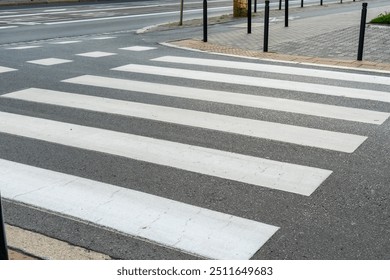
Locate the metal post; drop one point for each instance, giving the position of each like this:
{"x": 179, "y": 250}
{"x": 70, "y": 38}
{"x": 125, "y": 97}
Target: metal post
{"x": 285, "y": 13}
{"x": 301, "y": 3}
{"x": 3, "y": 240}
{"x": 321, "y": 2}
{"x": 249, "y": 16}
{"x": 362, "y": 31}
{"x": 255, "y": 7}
{"x": 266, "y": 26}
{"x": 280, "y": 4}
{"x": 204, "y": 20}
{"x": 181, "y": 12}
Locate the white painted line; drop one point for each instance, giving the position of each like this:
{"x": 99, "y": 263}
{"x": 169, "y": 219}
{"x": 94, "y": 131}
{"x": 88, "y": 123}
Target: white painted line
{"x": 23, "y": 48}
{"x": 138, "y": 48}
{"x": 28, "y": 23}
{"x": 65, "y": 42}
{"x": 108, "y": 18}
{"x": 54, "y": 10}
{"x": 96, "y": 54}
{"x": 317, "y": 138}
{"x": 269, "y": 68}
{"x": 7, "y": 27}
{"x": 246, "y": 169}
{"x": 103, "y": 9}
{"x": 103, "y": 38}
{"x": 254, "y": 101}
{"x": 6, "y": 69}
{"x": 258, "y": 82}
{"x": 181, "y": 226}
{"x": 49, "y": 61}
{"x": 135, "y": 16}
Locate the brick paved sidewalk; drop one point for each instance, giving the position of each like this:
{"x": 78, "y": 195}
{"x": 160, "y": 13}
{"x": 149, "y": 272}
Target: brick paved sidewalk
{"x": 327, "y": 39}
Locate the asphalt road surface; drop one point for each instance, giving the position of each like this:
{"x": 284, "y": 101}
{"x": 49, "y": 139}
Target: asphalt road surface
{"x": 119, "y": 144}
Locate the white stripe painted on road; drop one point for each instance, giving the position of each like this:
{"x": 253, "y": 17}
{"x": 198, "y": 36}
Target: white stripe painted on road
{"x": 167, "y": 222}
{"x": 7, "y": 27}
{"x": 103, "y": 9}
{"x": 49, "y": 61}
{"x": 28, "y": 23}
{"x": 232, "y": 166}
{"x": 96, "y": 54}
{"x": 54, "y": 10}
{"x": 264, "y": 102}
{"x": 65, "y": 42}
{"x": 269, "y": 68}
{"x": 258, "y": 82}
{"x": 134, "y": 16}
{"x": 6, "y": 69}
{"x": 317, "y": 138}
{"x": 104, "y": 38}
{"x": 138, "y": 48}
{"x": 23, "y": 48}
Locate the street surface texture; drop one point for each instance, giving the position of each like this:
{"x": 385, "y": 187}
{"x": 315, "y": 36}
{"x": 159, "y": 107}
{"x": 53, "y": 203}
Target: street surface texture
{"x": 120, "y": 145}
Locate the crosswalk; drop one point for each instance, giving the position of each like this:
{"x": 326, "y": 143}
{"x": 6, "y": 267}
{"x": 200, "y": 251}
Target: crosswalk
{"x": 6, "y": 69}
{"x": 193, "y": 229}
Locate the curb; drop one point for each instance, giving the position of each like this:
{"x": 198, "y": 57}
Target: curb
{"x": 27, "y": 245}
{"x": 197, "y": 45}
{"x": 16, "y": 255}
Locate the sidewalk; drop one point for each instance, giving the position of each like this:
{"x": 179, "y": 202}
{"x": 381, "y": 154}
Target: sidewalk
{"x": 326, "y": 39}
{"x": 27, "y": 245}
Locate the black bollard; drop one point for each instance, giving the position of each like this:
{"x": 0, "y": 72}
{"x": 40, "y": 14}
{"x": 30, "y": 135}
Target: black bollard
{"x": 301, "y": 3}
{"x": 286, "y": 13}
{"x": 266, "y": 26}
{"x": 181, "y": 12}
{"x": 249, "y": 16}
{"x": 362, "y": 31}
{"x": 204, "y": 20}
{"x": 3, "y": 240}
{"x": 280, "y": 4}
{"x": 255, "y": 7}
{"x": 321, "y": 2}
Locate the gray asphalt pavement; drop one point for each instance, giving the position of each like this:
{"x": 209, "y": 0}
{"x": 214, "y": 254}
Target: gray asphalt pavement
{"x": 345, "y": 217}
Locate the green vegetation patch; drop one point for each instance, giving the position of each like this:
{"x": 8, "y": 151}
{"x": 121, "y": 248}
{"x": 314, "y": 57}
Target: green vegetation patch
{"x": 382, "y": 19}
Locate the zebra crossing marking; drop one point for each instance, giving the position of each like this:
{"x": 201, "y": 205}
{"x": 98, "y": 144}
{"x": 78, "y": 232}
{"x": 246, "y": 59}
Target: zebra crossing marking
{"x": 269, "y": 68}
{"x": 247, "y": 100}
{"x": 138, "y": 48}
{"x": 317, "y": 138}
{"x": 54, "y": 10}
{"x": 177, "y": 225}
{"x": 258, "y": 82}
{"x": 96, "y": 54}
{"x": 8, "y": 27}
{"x": 227, "y": 165}
{"x": 65, "y": 42}
{"x": 49, "y": 61}
{"x": 6, "y": 69}
{"x": 104, "y": 38}
{"x": 23, "y": 48}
